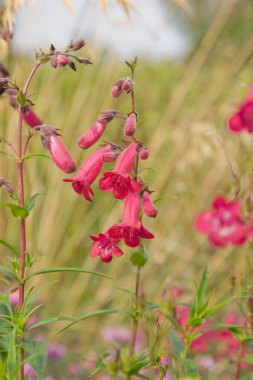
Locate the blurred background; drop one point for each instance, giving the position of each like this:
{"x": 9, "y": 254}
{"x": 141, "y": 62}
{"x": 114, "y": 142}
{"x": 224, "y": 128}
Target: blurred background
{"x": 195, "y": 66}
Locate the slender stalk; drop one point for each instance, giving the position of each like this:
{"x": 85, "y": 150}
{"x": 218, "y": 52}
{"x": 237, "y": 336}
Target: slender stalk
{"x": 238, "y": 365}
{"x": 21, "y": 199}
{"x": 136, "y": 323}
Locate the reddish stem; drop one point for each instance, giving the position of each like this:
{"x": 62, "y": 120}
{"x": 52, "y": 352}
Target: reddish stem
{"x": 21, "y": 200}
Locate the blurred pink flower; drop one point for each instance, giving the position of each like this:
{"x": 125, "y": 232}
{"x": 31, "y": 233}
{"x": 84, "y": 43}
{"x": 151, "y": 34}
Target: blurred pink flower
{"x": 29, "y": 371}
{"x": 130, "y": 125}
{"x": 143, "y": 154}
{"x": 242, "y": 120}
{"x": 119, "y": 181}
{"x": 223, "y": 223}
{"x": 14, "y": 298}
{"x": 117, "y": 89}
{"x": 116, "y": 335}
{"x": 56, "y": 351}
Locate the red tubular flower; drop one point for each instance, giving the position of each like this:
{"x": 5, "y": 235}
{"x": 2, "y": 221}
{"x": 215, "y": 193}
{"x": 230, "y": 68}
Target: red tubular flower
{"x": 130, "y": 126}
{"x": 118, "y": 181}
{"x": 92, "y": 135}
{"x": 131, "y": 229}
{"x": 148, "y": 206}
{"x": 222, "y": 224}
{"x": 31, "y": 118}
{"x": 88, "y": 172}
{"x": 243, "y": 118}
{"x": 60, "y": 155}
{"x": 105, "y": 247}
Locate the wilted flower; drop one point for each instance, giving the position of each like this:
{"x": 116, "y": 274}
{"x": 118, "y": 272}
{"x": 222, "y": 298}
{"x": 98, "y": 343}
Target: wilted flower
{"x": 88, "y": 173}
{"x": 8, "y": 187}
{"x": 223, "y": 223}
{"x": 130, "y": 229}
{"x": 130, "y": 125}
{"x": 243, "y": 118}
{"x": 119, "y": 181}
{"x": 148, "y": 206}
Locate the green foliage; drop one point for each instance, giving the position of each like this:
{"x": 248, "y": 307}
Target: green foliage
{"x": 17, "y": 211}
{"x": 12, "y": 356}
{"x": 37, "y": 358}
{"x": 21, "y": 99}
{"x": 177, "y": 343}
{"x": 139, "y": 259}
{"x": 30, "y": 203}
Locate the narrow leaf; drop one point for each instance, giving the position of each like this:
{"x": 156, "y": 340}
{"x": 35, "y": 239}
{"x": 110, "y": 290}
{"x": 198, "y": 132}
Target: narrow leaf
{"x": 11, "y": 357}
{"x": 30, "y": 203}
{"x": 10, "y": 247}
{"x": 9, "y": 273}
{"x": 177, "y": 342}
{"x": 17, "y": 211}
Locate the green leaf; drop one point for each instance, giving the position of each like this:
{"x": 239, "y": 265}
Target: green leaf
{"x": 91, "y": 315}
{"x": 38, "y": 357}
{"x": 17, "y": 211}
{"x": 248, "y": 359}
{"x": 48, "y": 321}
{"x": 9, "y": 273}
{"x": 21, "y": 98}
{"x": 30, "y": 203}
{"x": 10, "y": 247}
{"x": 44, "y": 59}
{"x": 202, "y": 286}
{"x": 35, "y": 155}
{"x": 2, "y": 370}
{"x": 190, "y": 368}
{"x": 12, "y": 356}
{"x": 177, "y": 342}
{"x": 139, "y": 259}
{"x": 66, "y": 269}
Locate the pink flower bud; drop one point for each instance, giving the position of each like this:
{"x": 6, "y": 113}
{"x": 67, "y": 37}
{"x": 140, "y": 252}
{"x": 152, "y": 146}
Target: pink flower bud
{"x": 110, "y": 156}
{"x": 77, "y": 45}
{"x": 31, "y": 118}
{"x": 143, "y": 154}
{"x": 127, "y": 85}
{"x": 148, "y": 206}
{"x": 13, "y": 299}
{"x": 130, "y": 126}
{"x": 117, "y": 89}
{"x": 62, "y": 60}
{"x": 60, "y": 155}
{"x": 92, "y": 135}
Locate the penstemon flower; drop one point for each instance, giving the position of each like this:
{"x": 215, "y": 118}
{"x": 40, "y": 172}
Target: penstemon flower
{"x": 105, "y": 247}
{"x": 119, "y": 181}
{"x": 242, "y": 120}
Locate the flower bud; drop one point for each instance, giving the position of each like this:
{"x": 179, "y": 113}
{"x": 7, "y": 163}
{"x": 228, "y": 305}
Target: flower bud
{"x": 107, "y": 116}
{"x": 143, "y": 154}
{"x": 62, "y": 60}
{"x": 130, "y": 126}
{"x": 127, "y": 85}
{"x": 60, "y": 155}
{"x": 110, "y": 156}
{"x": 77, "y": 45}
{"x": 13, "y": 299}
{"x": 31, "y": 118}
{"x": 8, "y": 187}
{"x": 117, "y": 89}
{"x": 148, "y": 206}
{"x": 92, "y": 135}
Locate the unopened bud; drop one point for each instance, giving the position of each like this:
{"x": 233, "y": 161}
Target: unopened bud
{"x": 77, "y": 45}
{"x": 117, "y": 89}
{"x": 148, "y": 206}
{"x": 143, "y": 154}
{"x": 107, "y": 116}
{"x": 92, "y": 135}
{"x": 8, "y": 187}
{"x": 127, "y": 85}
{"x": 130, "y": 126}
{"x": 110, "y": 156}
{"x": 62, "y": 60}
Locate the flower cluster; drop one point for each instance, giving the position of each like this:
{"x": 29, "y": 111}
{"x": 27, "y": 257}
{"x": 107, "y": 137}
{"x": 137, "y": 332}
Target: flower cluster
{"x": 123, "y": 181}
{"x": 225, "y": 223}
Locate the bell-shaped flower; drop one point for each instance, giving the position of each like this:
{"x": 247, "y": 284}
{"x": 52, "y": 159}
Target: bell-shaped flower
{"x": 148, "y": 206}
{"x": 105, "y": 247}
{"x": 222, "y": 224}
{"x": 92, "y": 135}
{"x": 119, "y": 181}
{"x": 242, "y": 120}
{"x": 130, "y": 229}
{"x": 88, "y": 173}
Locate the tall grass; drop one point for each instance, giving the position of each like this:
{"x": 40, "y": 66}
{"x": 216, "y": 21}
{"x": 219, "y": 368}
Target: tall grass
{"x": 181, "y": 105}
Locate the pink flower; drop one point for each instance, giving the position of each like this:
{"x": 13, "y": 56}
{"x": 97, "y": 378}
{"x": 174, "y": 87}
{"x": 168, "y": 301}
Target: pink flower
{"x": 130, "y": 126}
{"x": 222, "y": 224}
{"x": 13, "y": 299}
{"x": 130, "y": 229}
{"x": 92, "y": 135}
{"x": 88, "y": 173}
{"x": 105, "y": 247}
{"x": 118, "y": 181}
{"x": 60, "y": 155}
{"x": 29, "y": 371}
{"x": 31, "y": 118}
{"x": 56, "y": 351}
{"x": 116, "y": 335}
{"x": 243, "y": 118}
{"x": 148, "y": 206}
